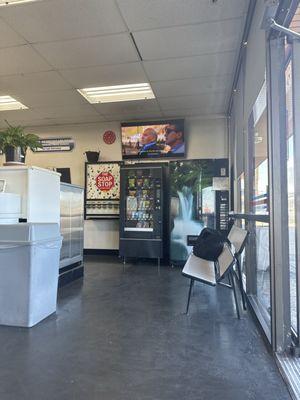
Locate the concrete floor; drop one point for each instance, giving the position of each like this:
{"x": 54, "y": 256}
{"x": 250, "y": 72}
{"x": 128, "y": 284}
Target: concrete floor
{"x": 122, "y": 336}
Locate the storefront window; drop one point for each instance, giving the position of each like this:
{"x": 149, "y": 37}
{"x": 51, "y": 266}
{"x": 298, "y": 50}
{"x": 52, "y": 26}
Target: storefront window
{"x": 260, "y": 194}
{"x": 263, "y": 291}
{"x": 259, "y": 205}
{"x": 241, "y": 193}
{"x": 291, "y": 191}
{"x": 295, "y": 24}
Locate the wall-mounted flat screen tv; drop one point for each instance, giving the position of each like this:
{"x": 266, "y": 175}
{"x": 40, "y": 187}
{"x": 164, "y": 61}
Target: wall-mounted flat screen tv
{"x": 153, "y": 139}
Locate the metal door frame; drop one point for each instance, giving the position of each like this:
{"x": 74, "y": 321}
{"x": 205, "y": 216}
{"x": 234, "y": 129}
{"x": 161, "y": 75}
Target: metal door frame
{"x": 279, "y": 246}
{"x": 296, "y": 115}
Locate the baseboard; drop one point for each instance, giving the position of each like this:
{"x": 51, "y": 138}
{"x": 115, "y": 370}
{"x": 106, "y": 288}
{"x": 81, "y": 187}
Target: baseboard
{"x": 70, "y": 275}
{"x": 70, "y": 267}
{"x": 100, "y": 252}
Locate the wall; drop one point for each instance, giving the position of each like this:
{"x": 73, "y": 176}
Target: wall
{"x": 206, "y": 138}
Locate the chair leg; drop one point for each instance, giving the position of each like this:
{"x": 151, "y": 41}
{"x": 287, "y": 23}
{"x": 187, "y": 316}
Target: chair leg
{"x": 235, "y": 296}
{"x": 189, "y": 298}
{"x": 239, "y": 271}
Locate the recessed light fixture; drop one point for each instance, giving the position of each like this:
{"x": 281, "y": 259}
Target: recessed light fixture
{"x": 112, "y": 94}
{"x": 12, "y": 2}
{"x": 7, "y": 103}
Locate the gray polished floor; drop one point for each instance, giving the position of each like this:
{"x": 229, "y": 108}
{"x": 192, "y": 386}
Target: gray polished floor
{"x": 122, "y": 336}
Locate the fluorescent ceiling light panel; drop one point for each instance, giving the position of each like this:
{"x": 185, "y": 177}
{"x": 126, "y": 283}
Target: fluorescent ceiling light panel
{"x": 8, "y": 103}
{"x": 12, "y": 2}
{"x": 113, "y": 94}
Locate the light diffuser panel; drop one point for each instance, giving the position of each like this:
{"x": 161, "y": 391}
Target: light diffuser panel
{"x": 8, "y": 103}
{"x": 112, "y": 94}
{"x": 12, "y": 2}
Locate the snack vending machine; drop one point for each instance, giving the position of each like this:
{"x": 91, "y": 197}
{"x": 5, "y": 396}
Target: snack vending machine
{"x": 142, "y": 211}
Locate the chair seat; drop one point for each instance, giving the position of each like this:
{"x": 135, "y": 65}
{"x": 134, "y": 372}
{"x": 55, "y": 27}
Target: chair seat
{"x": 199, "y": 269}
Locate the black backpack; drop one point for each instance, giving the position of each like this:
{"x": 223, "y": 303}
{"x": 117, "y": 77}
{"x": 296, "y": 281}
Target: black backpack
{"x": 209, "y": 244}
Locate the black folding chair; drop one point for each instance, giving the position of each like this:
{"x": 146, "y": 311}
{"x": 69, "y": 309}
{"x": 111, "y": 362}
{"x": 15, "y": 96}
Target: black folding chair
{"x": 238, "y": 238}
{"x": 211, "y": 273}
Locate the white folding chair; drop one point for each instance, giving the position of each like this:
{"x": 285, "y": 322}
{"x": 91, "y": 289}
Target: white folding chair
{"x": 238, "y": 238}
{"x": 211, "y": 273}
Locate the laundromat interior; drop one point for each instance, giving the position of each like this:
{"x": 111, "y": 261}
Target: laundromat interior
{"x": 149, "y": 199}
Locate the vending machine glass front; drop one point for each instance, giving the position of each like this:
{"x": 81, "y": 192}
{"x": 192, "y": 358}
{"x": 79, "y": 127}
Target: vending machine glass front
{"x": 140, "y": 194}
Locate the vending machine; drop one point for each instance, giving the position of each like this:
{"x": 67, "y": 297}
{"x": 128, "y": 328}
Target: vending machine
{"x": 199, "y": 198}
{"x": 142, "y": 211}
{"x": 102, "y": 190}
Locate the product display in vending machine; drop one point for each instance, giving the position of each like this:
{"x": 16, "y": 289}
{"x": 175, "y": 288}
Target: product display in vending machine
{"x": 140, "y": 200}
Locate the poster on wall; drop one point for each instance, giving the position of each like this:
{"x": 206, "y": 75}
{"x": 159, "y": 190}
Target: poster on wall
{"x": 102, "y": 190}
{"x": 50, "y": 145}
{"x": 193, "y": 204}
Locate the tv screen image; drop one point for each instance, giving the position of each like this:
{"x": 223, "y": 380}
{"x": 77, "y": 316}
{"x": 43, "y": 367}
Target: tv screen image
{"x": 153, "y": 139}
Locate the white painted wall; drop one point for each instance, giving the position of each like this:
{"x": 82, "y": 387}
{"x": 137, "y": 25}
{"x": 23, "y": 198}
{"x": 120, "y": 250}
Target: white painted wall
{"x": 205, "y": 138}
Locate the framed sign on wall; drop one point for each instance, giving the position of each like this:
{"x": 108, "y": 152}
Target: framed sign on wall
{"x": 51, "y": 145}
{"x": 102, "y": 190}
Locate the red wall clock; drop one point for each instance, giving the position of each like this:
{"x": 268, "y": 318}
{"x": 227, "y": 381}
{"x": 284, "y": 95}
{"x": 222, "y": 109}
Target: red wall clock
{"x": 109, "y": 137}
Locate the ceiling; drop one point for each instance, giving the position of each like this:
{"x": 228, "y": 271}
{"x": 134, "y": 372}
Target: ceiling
{"x": 187, "y": 50}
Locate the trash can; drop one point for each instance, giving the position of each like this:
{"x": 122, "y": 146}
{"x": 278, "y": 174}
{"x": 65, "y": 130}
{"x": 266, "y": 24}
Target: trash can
{"x": 29, "y": 265}
{"x": 10, "y": 208}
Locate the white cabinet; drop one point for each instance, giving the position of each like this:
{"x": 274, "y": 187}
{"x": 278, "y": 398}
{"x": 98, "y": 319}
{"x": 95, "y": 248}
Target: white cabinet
{"x": 39, "y": 189}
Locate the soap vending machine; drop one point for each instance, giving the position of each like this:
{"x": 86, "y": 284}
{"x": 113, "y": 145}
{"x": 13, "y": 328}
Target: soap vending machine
{"x": 102, "y": 190}
{"x": 142, "y": 211}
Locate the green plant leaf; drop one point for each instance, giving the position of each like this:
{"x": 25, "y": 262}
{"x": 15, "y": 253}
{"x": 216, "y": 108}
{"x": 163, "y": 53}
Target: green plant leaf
{"x": 15, "y": 136}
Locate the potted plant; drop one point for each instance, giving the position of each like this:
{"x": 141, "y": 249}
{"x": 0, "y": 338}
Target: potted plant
{"x": 14, "y": 143}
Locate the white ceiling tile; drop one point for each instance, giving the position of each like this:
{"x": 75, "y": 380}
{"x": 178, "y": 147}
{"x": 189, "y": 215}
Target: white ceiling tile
{"x": 21, "y": 59}
{"x": 191, "y": 67}
{"x": 19, "y": 116}
{"x": 192, "y": 86}
{"x": 203, "y": 101}
{"x": 105, "y": 75}
{"x": 217, "y": 110}
{"x": 32, "y": 83}
{"x": 51, "y": 99}
{"x": 64, "y": 19}
{"x": 62, "y": 121}
{"x": 134, "y": 116}
{"x": 149, "y": 14}
{"x": 127, "y": 107}
{"x": 101, "y": 50}
{"x": 66, "y": 112}
{"x": 190, "y": 40}
{"x": 8, "y": 37}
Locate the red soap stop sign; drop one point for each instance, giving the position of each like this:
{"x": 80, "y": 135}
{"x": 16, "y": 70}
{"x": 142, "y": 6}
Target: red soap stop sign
{"x": 105, "y": 181}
